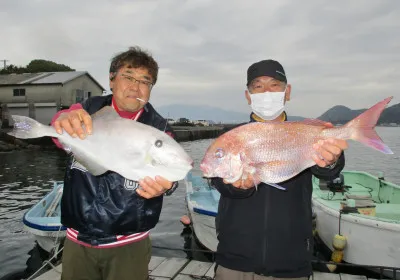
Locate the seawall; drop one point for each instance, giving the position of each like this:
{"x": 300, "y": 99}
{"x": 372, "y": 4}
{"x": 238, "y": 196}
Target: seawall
{"x": 191, "y": 133}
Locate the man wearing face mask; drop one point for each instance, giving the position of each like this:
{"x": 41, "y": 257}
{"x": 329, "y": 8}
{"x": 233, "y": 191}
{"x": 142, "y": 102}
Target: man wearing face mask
{"x": 267, "y": 232}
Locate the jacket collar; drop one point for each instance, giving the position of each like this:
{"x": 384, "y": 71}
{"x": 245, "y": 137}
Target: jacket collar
{"x": 255, "y": 118}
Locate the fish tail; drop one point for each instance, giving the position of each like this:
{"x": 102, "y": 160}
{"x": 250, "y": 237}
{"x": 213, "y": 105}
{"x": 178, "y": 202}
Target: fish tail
{"x": 362, "y": 127}
{"x": 25, "y": 128}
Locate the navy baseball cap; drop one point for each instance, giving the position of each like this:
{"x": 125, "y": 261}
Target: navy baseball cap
{"x": 270, "y": 68}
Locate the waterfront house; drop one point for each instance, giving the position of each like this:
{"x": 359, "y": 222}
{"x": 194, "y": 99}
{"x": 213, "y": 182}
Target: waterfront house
{"x": 41, "y": 95}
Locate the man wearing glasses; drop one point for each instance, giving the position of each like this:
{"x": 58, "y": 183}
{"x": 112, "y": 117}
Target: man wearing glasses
{"x": 267, "y": 233}
{"x": 108, "y": 217}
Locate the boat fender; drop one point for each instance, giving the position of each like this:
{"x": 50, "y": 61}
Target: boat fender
{"x": 339, "y": 243}
{"x": 185, "y": 220}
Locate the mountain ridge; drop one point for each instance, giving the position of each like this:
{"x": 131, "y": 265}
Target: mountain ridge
{"x": 343, "y": 114}
{"x": 336, "y": 114}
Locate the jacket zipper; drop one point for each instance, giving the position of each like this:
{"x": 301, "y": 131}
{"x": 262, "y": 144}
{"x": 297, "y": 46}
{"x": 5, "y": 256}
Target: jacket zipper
{"x": 266, "y": 229}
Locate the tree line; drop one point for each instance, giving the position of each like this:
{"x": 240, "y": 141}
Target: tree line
{"x": 36, "y": 66}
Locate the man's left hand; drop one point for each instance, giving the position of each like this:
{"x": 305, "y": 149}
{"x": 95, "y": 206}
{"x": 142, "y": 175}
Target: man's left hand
{"x": 150, "y": 188}
{"x": 329, "y": 151}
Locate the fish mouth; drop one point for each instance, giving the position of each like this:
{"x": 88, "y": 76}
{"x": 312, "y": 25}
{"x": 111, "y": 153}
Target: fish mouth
{"x": 179, "y": 166}
{"x": 184, "y": 165}
{"x": 206, "y": 170}
{"x": 203, "y": 167}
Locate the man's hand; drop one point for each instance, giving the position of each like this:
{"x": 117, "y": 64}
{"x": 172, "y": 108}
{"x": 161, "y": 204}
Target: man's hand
{"x": 329, "y": 151}
{"x": 150, "y": 188}
{"x": 243, "y": 183}
{"x": 72, "y": 122}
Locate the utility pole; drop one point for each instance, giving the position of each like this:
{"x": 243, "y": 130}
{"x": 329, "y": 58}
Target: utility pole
{"x": 5, "y": 63}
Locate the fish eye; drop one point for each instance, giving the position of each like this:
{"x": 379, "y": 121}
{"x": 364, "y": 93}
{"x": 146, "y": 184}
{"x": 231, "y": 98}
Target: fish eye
{"x": 158, "y": 143}
{"x": 219, "y": 153}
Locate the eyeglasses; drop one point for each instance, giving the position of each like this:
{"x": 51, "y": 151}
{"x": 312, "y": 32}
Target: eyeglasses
{"x": 142, "y": 83}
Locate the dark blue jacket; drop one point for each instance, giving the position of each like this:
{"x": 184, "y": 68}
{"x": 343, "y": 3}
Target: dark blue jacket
{"x": 269, "y": 231}
{"x": 100, "y": 207}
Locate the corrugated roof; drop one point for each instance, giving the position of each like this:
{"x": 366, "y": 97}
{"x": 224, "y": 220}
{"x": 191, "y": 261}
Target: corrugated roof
{"x": 16, "y": 78}
{"x": 37, "y": 77}
{"x": 59, "y": 77}
{"x": 43, "y": 78}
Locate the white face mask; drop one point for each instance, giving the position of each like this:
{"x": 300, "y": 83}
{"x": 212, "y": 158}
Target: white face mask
{"x": 268, "y": 105}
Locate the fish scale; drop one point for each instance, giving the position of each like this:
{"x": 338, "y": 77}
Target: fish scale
{"x": 277, "y": 151}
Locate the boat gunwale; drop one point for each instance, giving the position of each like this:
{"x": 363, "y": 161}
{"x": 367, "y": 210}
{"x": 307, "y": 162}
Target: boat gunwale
{"x": 41, "y": 223}
{"x": 371, "y": 221}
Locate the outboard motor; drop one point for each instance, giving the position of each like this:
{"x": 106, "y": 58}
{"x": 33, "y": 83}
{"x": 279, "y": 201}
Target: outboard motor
{"x": 335, "y": 185}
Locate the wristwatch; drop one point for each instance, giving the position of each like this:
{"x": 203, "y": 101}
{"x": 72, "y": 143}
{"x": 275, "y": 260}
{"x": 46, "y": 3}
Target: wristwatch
{"x": 172, "y": 189}
{"x": 331, "y": 166}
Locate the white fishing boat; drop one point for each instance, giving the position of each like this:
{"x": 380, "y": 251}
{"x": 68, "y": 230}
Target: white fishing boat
{"x": 202, "y": 203}
{"x": 363, "y": 210}
{"x": 43, "y": 220}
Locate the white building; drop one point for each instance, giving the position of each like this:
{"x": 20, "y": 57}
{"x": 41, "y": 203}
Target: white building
{"x": 41, "y": 95}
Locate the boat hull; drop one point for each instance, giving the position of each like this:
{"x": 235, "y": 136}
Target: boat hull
{"x": 369, "y": 242}
{"x": 43, "y": 220}
{"x": 202, "y": 214}
{"x": 373, "y": 238}
{"x": 204, "y": 229}
{"x": 47, "y": 240}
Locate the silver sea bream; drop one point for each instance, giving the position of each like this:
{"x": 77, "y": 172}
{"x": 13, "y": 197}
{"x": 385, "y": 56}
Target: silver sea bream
{"x": 130, "y": 148}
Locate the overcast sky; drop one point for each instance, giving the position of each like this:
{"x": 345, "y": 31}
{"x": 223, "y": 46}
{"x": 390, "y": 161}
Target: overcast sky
{"x": 334, "y": 52}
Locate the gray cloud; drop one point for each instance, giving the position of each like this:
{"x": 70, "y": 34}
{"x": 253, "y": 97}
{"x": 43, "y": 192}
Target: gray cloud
{"x": 334, "y": 52}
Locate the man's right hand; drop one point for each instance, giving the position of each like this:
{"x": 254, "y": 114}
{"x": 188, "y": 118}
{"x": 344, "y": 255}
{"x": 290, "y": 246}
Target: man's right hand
{"x": 243, "y": 183}
{"x": 75, "y": 123}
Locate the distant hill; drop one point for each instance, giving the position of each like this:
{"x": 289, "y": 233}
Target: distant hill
{"x": 391, "y": 114}
{"x": 337, "y": 114}
{"x": 295, "y": 118}
{"x": 191, "y": 112}
{"x": 342, "y": 114}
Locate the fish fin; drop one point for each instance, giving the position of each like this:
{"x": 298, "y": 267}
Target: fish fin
{"x": 106, "y": 113}
{"x": 364, "y": 124}
{"x": 280, "y": 170}
{"x": 232, "y": 178}
{"x": 25, "y": 128}
{"x": 315, "y": 122}
{"x": 276, "y": 186}
{"x": 255, "y": 184}
{"x": 249, "y": 169}
{"x": 92, "y": 167}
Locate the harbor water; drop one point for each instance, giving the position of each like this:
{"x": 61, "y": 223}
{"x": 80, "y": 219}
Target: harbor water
{"x": 27, "y": 175}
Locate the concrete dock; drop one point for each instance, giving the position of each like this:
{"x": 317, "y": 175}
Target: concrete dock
{"x": 191, "y": 133}
{"x": 161, "y": 268}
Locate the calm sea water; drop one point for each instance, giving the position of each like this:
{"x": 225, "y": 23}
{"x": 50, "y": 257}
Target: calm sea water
{"x": 25, "y": 177}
